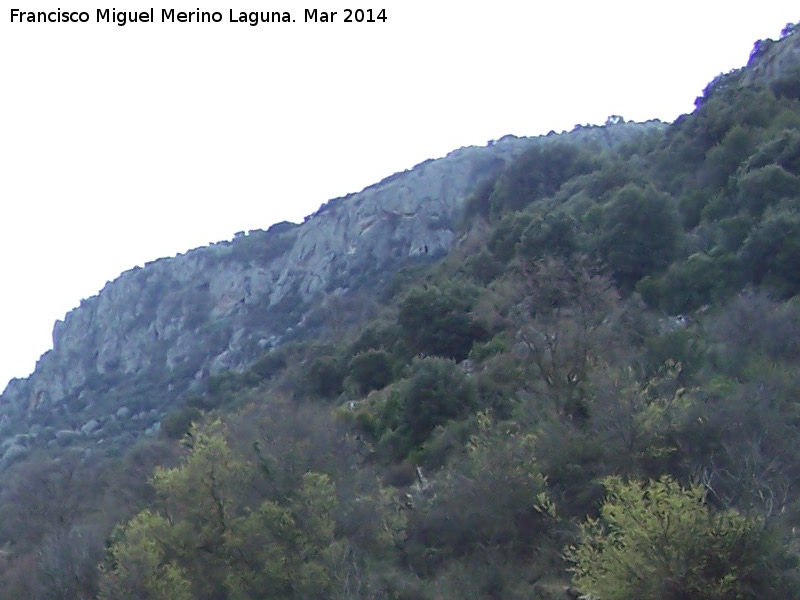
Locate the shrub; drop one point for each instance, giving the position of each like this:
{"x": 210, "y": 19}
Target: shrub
{"x": 662, "y": 542}
{"x": 370, "y": 370}
{"x": 436, "y": 392}
{"x": 436, "y": 321}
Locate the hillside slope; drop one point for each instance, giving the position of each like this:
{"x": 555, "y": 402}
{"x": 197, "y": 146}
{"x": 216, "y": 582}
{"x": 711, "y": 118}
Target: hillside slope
{"x": 597, "y": 356}
{"x": 122, "y": 357}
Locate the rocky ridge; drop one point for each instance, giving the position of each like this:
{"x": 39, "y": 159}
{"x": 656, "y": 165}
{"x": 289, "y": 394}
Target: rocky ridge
{"x": 773, "y": 63}
{"x": 122, "y": 357}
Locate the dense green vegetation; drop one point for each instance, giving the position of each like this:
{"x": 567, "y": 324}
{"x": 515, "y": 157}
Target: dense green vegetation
{"x": 595, "y": 393}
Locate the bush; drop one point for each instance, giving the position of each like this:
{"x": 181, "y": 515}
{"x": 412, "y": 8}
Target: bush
{"x": 771, "y": 254}
{"x": 436, "y": 321}
{"x": 507, "y": 234}
{"x": 325, "y": 377}
{"x": 436, "y": 392}
{"x": 270, "y": 364}
{"x": 661, "y": 542}
{"x": 537, "y": 174}
{"x": 370, "y": 370}
{"x": 764, "y": 187}
{"x": 178, "y": 423}
{"x": 641, "y": 233}
{"x": 553, "y": 234}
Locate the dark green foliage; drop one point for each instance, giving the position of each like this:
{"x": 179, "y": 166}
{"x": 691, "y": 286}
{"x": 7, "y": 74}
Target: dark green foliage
{"x": 691, "y": 205}
{"x": 553, "y": 234}
{"x": 573, "y": 461}
{"x": 489, "y": 348}
{"x": 437, "y": 321}
{"x": 753, "y": 326}
{"x": 477, "y": 205}
{"x": 325, "y": 376}
{"x": 537, "y": 174}
{"x": 483, "y": 266}
{"x": 747, "y": 107}
{"x": 436, "y": 391}
{"x": 783, "y": 150}
{"x": 641, "y": 233}
{"x": 788, "y": 84}
{"x": 727, "y": 122}
{"x": 612, "y": 175}
{"x": 771, "y": 253}
{"x": 376, "y": 336}
{"x": 227, "y": 383}
{"x": 506, "y": 234}
{"x": 270, "y": 364}
{"x": 494, "y": 497}
{"x": 370, "y": 370}
{"x": 178, "y": 423}
{"x": 404, "y": 278}
{"x": 723, "y": 159}
{"x": 678, "y": 343}
{"x": 495, "y": 389}
{"x": 732, "y": 231}
{"x": 221, "y": 389}
{"x": 689, "y": 285}
{"x": 447, "y": 441}
{"x": 764, "y": 187}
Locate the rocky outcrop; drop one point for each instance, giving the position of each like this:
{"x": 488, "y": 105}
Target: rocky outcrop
{"x": 771, "y": 61}
{"x": 773, "y": 64}
{"x": 155, "y": 332}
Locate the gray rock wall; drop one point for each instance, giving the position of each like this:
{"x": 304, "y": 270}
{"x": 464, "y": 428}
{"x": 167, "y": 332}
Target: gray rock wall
{"x": 156, "y": 332}
{"x": 214, "y": 308}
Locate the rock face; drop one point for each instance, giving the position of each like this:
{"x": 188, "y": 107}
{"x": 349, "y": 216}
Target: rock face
{"x": 156, "y": 332}
{"x": 771, "y": 61}
{"x": 774, "y": 64}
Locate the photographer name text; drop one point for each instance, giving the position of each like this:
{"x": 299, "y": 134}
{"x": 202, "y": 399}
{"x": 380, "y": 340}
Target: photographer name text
{"x": 170, "y": 15}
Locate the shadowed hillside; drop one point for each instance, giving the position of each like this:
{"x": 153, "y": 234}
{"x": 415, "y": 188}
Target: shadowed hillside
{"x": 548, "y": 368}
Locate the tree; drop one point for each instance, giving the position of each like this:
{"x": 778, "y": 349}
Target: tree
{"x": 553, "y": 234}
{"x": 638, "y": 419}
{"x": 206, "y": 536}
{"x": 764, "y": 187}
{"x": 685, "y": 286}
{"x": 201, "y": 492}
{"x": 787, "y": 86}
{"x": 771, "y": 253}
{"x": 494, "y": 494}
{"x": 561, "y": 311}
{"x": 138, "y": 567}
{"x": 67, "y": 562}
{"x": 506, "y": 235}
{"x": 436, "y": 321}
{"x": 640, "y": 233}
{"x": 286, "y": 551}
{"x": 436, "y": 392}
{"x": 40, "y": 497}
{"x": 370, "y": 370}
{"x": 181, "y": 548}
{"x": 325, "y": 376}
{"x": 660, "y": 541}
{"x": 537, "y": 174}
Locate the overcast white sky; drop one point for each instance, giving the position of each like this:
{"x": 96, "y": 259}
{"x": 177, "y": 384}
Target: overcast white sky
{"x": 124, "y": 144}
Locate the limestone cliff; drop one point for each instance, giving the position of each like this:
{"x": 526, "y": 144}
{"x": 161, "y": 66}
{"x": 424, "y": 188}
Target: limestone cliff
{"x": 155, "y": 332}
{"x": 774, "y": 64}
